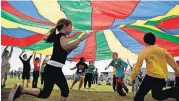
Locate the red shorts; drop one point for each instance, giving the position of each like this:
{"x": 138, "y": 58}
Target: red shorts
{"x": 119, "y": 80}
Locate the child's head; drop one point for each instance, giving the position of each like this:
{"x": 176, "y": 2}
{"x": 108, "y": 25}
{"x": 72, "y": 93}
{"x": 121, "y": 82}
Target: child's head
{"x": 25, "y": 56}
{"x": 149, "y": 38}
{"x": 63, "y": 26}
{"x": 6, "y": 53}
{"x": 37, "y": 60}
{"x": 82, "y": 59}
{"x": 91, "y": 62}
{"x": 115, "y": 55}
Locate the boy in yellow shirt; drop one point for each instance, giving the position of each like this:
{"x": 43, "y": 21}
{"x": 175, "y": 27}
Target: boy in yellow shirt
{"x": 156, "y": 64}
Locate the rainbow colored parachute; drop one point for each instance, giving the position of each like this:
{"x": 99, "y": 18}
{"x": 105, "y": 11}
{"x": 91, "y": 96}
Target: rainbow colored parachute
{"x": 112, "y": 25}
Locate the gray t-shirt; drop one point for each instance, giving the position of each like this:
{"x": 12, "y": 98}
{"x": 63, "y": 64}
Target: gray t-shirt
{"x": 5, "y": 61}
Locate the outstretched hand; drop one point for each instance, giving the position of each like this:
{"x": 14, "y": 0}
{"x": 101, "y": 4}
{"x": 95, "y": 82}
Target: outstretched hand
{"x": 84, "y": 36}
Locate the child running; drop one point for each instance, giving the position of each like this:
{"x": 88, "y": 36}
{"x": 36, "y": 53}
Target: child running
{"x": 80, "y": 73}
{"x": 119, "y": 65}
{"x": 5, "y": 65}
{"x": 26, "y": 68}
{"x": 37, "y": 62}
{"x": 156, "y": 64}
{"x": 89, "y": 74}
{"x": 42, "y": 69}
{"x": 53, "y": 71}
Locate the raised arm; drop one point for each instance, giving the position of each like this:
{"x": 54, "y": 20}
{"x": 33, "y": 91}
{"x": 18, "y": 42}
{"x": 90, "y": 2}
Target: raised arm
{"x": 40, "y": 58}
{"x": 34, "y": 57}
{"x": 11, "y": 51}
{"x": 31, "y": 56}
{"x": 21, "y": 55}
{"x": 4, "y": 51}
{"x": 6, "y": 48}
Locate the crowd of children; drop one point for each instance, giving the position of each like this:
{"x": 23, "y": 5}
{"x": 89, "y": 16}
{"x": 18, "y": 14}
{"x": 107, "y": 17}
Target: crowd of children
{"x": 156, "y": 65}
{"x": 25, "y": 73}
{"x": 15, "y": 74}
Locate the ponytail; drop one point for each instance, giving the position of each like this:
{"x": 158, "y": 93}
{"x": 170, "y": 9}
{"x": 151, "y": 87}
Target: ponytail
{"x": 51, "y": 37}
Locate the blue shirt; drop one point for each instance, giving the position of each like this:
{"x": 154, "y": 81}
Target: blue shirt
{"x": 120, "y": 65}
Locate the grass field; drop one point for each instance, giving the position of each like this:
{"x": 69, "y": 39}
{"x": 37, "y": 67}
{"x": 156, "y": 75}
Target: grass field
{"x": 96, "y": 93}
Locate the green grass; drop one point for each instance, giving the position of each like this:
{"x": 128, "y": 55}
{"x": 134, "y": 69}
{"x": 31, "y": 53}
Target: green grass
{"x": 96, "y": 93}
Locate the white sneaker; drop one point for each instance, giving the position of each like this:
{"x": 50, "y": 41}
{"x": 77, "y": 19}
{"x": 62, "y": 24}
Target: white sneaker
{"x": 15, "y": 92}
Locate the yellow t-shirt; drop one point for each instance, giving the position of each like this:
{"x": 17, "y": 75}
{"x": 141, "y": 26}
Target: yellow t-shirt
{"x": 156, "y": 62}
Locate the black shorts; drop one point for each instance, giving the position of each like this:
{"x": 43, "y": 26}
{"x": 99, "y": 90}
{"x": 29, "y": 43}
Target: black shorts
{"x": 26, "y": 75}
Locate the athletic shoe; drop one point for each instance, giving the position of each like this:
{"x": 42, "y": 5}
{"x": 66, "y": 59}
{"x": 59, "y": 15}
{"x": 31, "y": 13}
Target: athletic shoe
{"x": 126, "y": 90}
{"x": 121, "y": 93}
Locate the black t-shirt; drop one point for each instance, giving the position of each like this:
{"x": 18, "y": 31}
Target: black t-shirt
{"x": 81, "y": 67}
{"x": 26, "y": 63}
{"x": 59, "y": 54}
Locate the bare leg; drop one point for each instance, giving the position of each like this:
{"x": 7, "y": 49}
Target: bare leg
{"x": 27, "y": 83}
{"x": 31, "y": 91}
{"x": 81, "y": 83}
{"x": 74, "y": 82}
{"x": 63, "y": 98}
{"x": 5, "y": 78}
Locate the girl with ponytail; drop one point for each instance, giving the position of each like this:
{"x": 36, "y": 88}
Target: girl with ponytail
{"x": 61, "y": 47}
